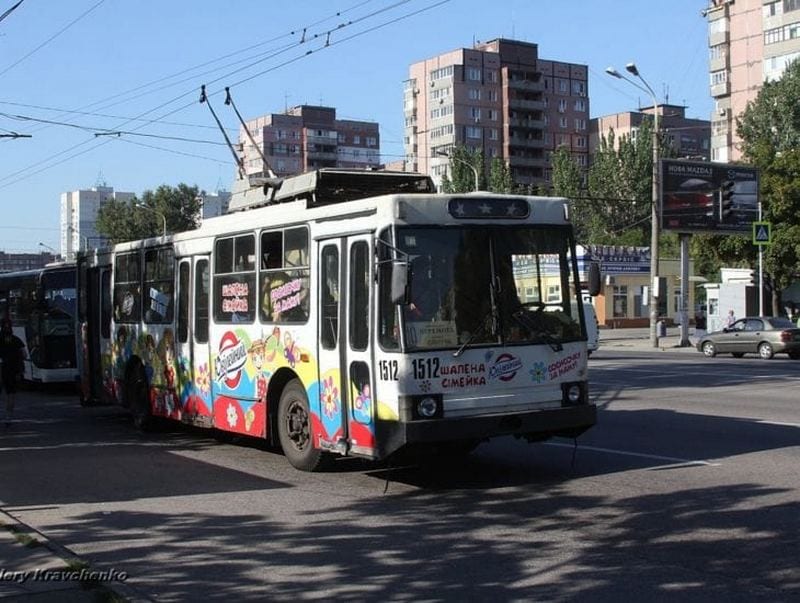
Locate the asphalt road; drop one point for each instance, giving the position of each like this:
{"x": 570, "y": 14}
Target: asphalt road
{"x": 687, "y": 489}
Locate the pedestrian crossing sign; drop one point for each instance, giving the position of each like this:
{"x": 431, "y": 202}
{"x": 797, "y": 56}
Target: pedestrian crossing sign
{"x": 762, "y": 233}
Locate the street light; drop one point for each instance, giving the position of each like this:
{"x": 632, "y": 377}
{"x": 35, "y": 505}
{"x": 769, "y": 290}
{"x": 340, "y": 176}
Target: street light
{"x": 653, "y": 298}
{"x": 467, "y": 163}
{"x": 158, "y": 213}
{"x": 48, "y": 247}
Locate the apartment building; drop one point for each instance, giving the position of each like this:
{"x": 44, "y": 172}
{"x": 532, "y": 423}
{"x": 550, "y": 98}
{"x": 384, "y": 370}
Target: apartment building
{"x": 307, "y": 138}
{"x": 13, "y": 262}
{"x": 750, "y": 42}
{"x": 690, "y": 138}
{"x": 500, "y": 98}
{"x": 79, "y": 216}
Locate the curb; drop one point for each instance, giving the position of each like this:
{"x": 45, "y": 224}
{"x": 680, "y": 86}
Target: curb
{"x": 80, "y": 589}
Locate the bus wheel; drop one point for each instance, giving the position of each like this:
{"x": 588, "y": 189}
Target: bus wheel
{"x": 294, "y": 428}
{"x": 138, "y": 398}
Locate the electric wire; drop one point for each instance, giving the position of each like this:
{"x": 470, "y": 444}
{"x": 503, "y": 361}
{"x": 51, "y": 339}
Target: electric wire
{"x": 51, "y": 38}
{"x": 9, "y": 179}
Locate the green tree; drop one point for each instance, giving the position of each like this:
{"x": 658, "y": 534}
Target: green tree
{"x": 124, "y": 221}
{"x": 769, "y": 129}
{"x": 462, "y": 177}
{"x": 500, "y": 180}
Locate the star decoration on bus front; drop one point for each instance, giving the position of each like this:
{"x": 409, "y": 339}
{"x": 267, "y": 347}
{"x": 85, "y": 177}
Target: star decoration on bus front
{"x": 485, "y": 209}
{"x": 459, "y": 209}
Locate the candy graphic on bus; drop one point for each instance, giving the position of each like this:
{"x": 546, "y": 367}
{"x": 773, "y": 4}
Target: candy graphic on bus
{"x": 230, "y": 360}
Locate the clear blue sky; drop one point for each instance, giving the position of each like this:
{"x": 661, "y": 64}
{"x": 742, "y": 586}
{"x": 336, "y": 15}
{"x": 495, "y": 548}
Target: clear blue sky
{"x": 102, "y": 57}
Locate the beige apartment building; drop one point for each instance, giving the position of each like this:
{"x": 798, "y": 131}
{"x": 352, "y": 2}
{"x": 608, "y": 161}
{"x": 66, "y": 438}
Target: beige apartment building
{"x": 500, "y": 98}
{"x": 750, "y": 42}
{"x": 307, "y": 138}
{"x": 690, "y": 138}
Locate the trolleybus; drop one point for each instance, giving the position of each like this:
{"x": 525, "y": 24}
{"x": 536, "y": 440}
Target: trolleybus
{"x": 348, "y": 313}
{"x": 40, "y": 304}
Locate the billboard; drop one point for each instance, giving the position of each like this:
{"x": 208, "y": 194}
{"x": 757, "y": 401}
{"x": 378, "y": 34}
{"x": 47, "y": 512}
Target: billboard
{"x": 716, "y": 198}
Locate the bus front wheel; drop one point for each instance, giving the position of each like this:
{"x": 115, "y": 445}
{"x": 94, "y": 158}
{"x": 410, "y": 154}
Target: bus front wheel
{"x": 294, "y": 429}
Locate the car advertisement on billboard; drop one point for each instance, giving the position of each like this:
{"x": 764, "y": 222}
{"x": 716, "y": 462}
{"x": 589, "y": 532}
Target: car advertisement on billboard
{"x": 715, "y": 198}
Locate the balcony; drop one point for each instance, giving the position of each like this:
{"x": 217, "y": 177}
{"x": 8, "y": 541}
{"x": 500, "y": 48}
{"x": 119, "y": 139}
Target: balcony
{"x": 322, "y": 155}
{"x": 526, "y": 143}
{"x": 530, "y": 105}
{"x": 718, "y": 63}
{"x": 721, "y": 89}
{"x": 517, "y": 161}
{"x": 530, "y": 85}
{"x": 528, "y": 124}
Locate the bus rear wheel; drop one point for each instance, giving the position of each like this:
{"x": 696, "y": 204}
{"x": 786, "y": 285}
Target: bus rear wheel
{"x": 137, "y": 396}
{"x": 294, "y": 429}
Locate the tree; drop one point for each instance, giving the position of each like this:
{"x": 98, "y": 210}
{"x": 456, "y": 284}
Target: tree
{"x": 769, "y": 129}
{"x": 123, "y": 221}
{"x": 500, "y": 180}
{"x": 462, "y": 177}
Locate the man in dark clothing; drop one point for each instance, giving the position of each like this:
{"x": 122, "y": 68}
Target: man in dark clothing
{"x": 11, "y": 355}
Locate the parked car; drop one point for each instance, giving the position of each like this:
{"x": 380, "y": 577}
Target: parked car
{"x": 762, "y": 335}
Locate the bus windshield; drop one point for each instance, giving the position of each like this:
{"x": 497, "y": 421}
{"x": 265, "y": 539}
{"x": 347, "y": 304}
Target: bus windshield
{"x": 59, "y": 296}
{"x": 472, "y": 286}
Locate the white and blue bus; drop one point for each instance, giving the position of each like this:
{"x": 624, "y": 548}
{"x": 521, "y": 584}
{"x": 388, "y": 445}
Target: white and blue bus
{"x": 41, "y": 306}
{"x": 348, "y": 313}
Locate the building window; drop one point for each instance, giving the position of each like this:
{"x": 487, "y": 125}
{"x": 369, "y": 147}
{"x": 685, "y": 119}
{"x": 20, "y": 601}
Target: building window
{"x": 493, "y": 134}
{"x": 620, "y": 301}
{"x": 474, "y": 94}
{"x": 790, "y": 5}
{"x": 356, "y": 139}
{"x": 773, "y": 36}
{"x": 343, "y": 139}
{"x": 719, "y": 77}
{"x": 474, "y": 74}
{"x": 562, "y": 86}
{"x": 580, "y": 124}
{"x": 580, "y": 142}
{"x": 438, "y": 74}
{"x": 475, "y": 113}
{"x": 580, "y": 105}
{"x": 562, "y": 105}
{"x": 372, "y": 141}
{"x": 562, "y": 122}
{"x": 473, "y": 132}
{"x": 493, "y": 114}
{"x": 579, "y": 88}
{"x": 491, "y": 76}
{"x": 491, "y": 95}
{"x": 772, "y": 9}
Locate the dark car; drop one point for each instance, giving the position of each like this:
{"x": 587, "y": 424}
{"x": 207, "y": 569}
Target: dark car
{"x": 762, "y": 335}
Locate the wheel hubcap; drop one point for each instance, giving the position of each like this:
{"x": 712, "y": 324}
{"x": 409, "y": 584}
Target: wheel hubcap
{"x": 297, "y": 425}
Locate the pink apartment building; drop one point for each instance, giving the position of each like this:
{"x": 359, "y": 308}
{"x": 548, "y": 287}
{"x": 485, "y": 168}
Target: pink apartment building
{"x": 308, "y": 138}
{"x": 498, "y": 97}
{"x": 750, "y": 42}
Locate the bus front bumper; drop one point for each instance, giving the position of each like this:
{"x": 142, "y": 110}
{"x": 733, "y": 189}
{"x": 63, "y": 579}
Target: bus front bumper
{"x": 565, "y": 421}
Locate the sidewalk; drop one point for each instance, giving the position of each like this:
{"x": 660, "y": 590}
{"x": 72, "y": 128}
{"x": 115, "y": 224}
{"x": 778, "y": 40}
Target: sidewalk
{"x": 34, "y": 569}
{"x": 638, "y": 340}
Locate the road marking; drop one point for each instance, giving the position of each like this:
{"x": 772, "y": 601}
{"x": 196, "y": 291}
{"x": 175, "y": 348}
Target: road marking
{"x": 641, "y": 455}
{"x": 778, "y": 423}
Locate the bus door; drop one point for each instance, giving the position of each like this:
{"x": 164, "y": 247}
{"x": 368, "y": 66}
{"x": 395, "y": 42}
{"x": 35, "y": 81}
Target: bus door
{"x": 96, "y": 330}
{"x": 347, "y": 408}
{"x": 191, "y": 341}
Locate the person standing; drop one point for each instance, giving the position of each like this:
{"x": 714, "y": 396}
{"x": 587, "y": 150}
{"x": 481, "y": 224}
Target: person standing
{"x": 11, "y": 355}
{"x": 731, "y": 318}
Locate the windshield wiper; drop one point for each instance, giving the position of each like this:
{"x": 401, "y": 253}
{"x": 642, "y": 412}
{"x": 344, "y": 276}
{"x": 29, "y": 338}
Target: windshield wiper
{"x": 522, "y": 318}
{"x": 488, "y": 319}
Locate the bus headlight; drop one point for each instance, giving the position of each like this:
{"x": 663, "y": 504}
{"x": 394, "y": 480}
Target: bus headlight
{"x": 427, "y": 407}
{"x": 574, "y": 393}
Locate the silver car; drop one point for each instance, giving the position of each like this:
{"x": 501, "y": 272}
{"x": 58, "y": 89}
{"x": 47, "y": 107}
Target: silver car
{"x": 762, "y": 335}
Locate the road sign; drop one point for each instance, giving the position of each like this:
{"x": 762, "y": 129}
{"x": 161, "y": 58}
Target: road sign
{"x": 717, "y": 198}
{"x": 762, "y": 233}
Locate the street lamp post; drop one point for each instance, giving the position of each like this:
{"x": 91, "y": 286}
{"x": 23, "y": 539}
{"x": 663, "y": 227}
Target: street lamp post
{"x": 654, "y": 231}
{"x": 158, "y": 213}
{"x": 467, "y": 163}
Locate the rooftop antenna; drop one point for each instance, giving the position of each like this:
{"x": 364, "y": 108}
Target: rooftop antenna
{"x": 236, "y": 158}
{"x": 100, "y": 181}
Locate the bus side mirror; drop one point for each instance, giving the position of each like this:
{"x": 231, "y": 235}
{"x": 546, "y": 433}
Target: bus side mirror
{"x": 400, "y": 293}
{"x": 594, "y": 279}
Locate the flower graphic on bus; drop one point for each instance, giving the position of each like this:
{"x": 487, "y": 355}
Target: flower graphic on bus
{"x": 233, "y": 417}
{"x": 290, "y": 349}
{"x": 361, "y": 406}
{"x": 329, "y": 398}
{"x": 203, "y": 379}
{"x": 537, "y": 372}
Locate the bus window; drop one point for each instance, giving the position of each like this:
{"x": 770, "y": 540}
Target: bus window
{"x": 284, "y": 276}
{"x": 329, "y": 297}
{"x": 201, "y": 289}
{"x": 159, "y": 284}
{"x": 183, "y": 302}
{"x": 127, "y": 289}
{"x": 388, "y": 331}
{"x": 235, "y": 279}
{"x": 359, "y": 296}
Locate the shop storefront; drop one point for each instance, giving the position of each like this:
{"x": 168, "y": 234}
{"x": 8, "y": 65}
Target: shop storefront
{"x": 625, "y": 278}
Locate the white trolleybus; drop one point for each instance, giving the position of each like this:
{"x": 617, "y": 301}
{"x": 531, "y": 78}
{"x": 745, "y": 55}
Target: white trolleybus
{"x": 348, "y": 313}
{"x": 40, "y": 304}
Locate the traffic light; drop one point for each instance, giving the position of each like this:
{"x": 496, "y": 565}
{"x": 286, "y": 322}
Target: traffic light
{"x": 753, "y": 277}
{"x": 726, "y": 199}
